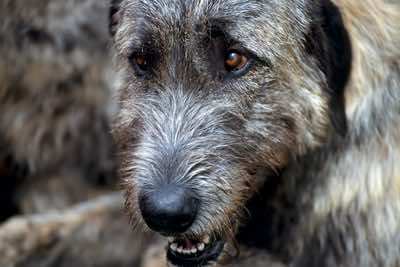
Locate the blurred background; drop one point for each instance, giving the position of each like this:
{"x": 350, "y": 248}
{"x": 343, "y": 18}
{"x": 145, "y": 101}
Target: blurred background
{"x": 60, "y": 204}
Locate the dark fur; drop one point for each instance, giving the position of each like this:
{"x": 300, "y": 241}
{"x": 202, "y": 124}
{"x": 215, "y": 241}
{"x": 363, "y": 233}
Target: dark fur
{"x": 318, "y": 176}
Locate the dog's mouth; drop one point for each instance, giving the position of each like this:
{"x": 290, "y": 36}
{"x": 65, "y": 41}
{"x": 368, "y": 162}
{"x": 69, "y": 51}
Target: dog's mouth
{"x": 184, "y": 252}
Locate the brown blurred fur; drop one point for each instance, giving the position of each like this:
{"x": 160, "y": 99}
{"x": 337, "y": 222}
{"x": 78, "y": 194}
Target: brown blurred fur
{"x": 54, "y": 87}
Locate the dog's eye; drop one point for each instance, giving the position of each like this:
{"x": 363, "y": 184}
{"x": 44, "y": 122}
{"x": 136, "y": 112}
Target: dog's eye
{"x": 141, "y": 63}
{"x": 235, "y": 61}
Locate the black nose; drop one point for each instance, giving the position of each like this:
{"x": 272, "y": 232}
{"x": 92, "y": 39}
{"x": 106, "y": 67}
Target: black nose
{"x": 169, "y": 210}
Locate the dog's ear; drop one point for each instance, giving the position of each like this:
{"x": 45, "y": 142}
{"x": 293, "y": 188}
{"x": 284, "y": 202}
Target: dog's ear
{"x": 339, "y": 46}
{"x": 340, "y": 61}
{"x": 328, "y": 41}
{"x": 114, "y": 16}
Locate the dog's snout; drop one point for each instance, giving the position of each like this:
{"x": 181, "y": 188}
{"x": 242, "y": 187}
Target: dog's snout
{"x": 169, "y": 210}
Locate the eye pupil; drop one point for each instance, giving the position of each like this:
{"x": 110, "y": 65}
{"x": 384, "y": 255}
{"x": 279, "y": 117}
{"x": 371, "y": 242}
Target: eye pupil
{"x": 235, "y": 61}
{"x": 141, "y": 62}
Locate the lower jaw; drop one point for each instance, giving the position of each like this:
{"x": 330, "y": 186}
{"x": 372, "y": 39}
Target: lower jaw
{"x": 206, "y": 258}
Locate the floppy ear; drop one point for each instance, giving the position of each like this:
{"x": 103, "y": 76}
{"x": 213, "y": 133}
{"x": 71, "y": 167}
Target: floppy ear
{"x": 340, "y": 61}
{"x": 339, "y": 46}
{"x": 328, "y": 41}
{"x": 114, "y": 16}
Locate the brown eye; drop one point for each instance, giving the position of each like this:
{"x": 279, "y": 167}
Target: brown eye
{"x": 235, "y": 61}
{"x": 141, "y": 62}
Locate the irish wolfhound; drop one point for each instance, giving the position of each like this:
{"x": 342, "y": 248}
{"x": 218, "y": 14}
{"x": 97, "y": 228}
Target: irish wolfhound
{"x": 234, "y": 127}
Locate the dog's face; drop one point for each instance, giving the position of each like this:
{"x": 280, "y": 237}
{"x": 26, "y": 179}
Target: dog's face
{"x": 217, "y": 95}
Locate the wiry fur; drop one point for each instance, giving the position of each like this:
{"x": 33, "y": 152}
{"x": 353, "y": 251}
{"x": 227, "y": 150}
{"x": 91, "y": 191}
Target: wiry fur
{"x": 329, "y": 184}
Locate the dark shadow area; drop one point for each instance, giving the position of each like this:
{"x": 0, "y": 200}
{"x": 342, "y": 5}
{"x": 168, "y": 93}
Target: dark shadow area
{"x": 8, "y": 205}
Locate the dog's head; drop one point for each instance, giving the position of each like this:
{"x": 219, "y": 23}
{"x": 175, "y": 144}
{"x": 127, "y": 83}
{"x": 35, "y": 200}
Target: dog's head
{"x": 216, "y": 96}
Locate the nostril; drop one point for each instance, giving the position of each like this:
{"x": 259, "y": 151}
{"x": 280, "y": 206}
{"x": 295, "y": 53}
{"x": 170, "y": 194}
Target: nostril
{"x": 169, "y": 210}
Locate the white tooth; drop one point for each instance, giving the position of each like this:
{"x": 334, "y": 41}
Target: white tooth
{"x": 180, "y": 249}
{"x": 201, "y": 246}
{"x": 186, "y": 251}
{"x": 193, "y": 250}
{"x": 206, "y": 239}
{"x": 174, "y": 246}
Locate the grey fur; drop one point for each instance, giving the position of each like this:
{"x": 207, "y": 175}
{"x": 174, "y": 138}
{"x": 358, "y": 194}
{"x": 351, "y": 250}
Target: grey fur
{"x": 227, "y": 138}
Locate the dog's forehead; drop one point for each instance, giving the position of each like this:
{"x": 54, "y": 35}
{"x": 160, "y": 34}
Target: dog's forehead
{"x": 164, "y": 15}
{"x": 253, "y": 22}
{"x": 172, "y": 11}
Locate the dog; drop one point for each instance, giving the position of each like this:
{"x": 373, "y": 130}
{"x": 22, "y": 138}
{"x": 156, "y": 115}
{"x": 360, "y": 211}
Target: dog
{"x": 270, "y": 124}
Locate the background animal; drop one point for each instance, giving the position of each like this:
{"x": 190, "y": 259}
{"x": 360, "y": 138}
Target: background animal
{"x": 55, "y": 104}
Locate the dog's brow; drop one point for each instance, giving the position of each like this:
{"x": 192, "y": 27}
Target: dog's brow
{"x": 158, "y": 18}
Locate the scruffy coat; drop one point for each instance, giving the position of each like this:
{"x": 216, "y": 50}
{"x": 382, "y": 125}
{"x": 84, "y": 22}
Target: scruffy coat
{"x": 307, "y": 142}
